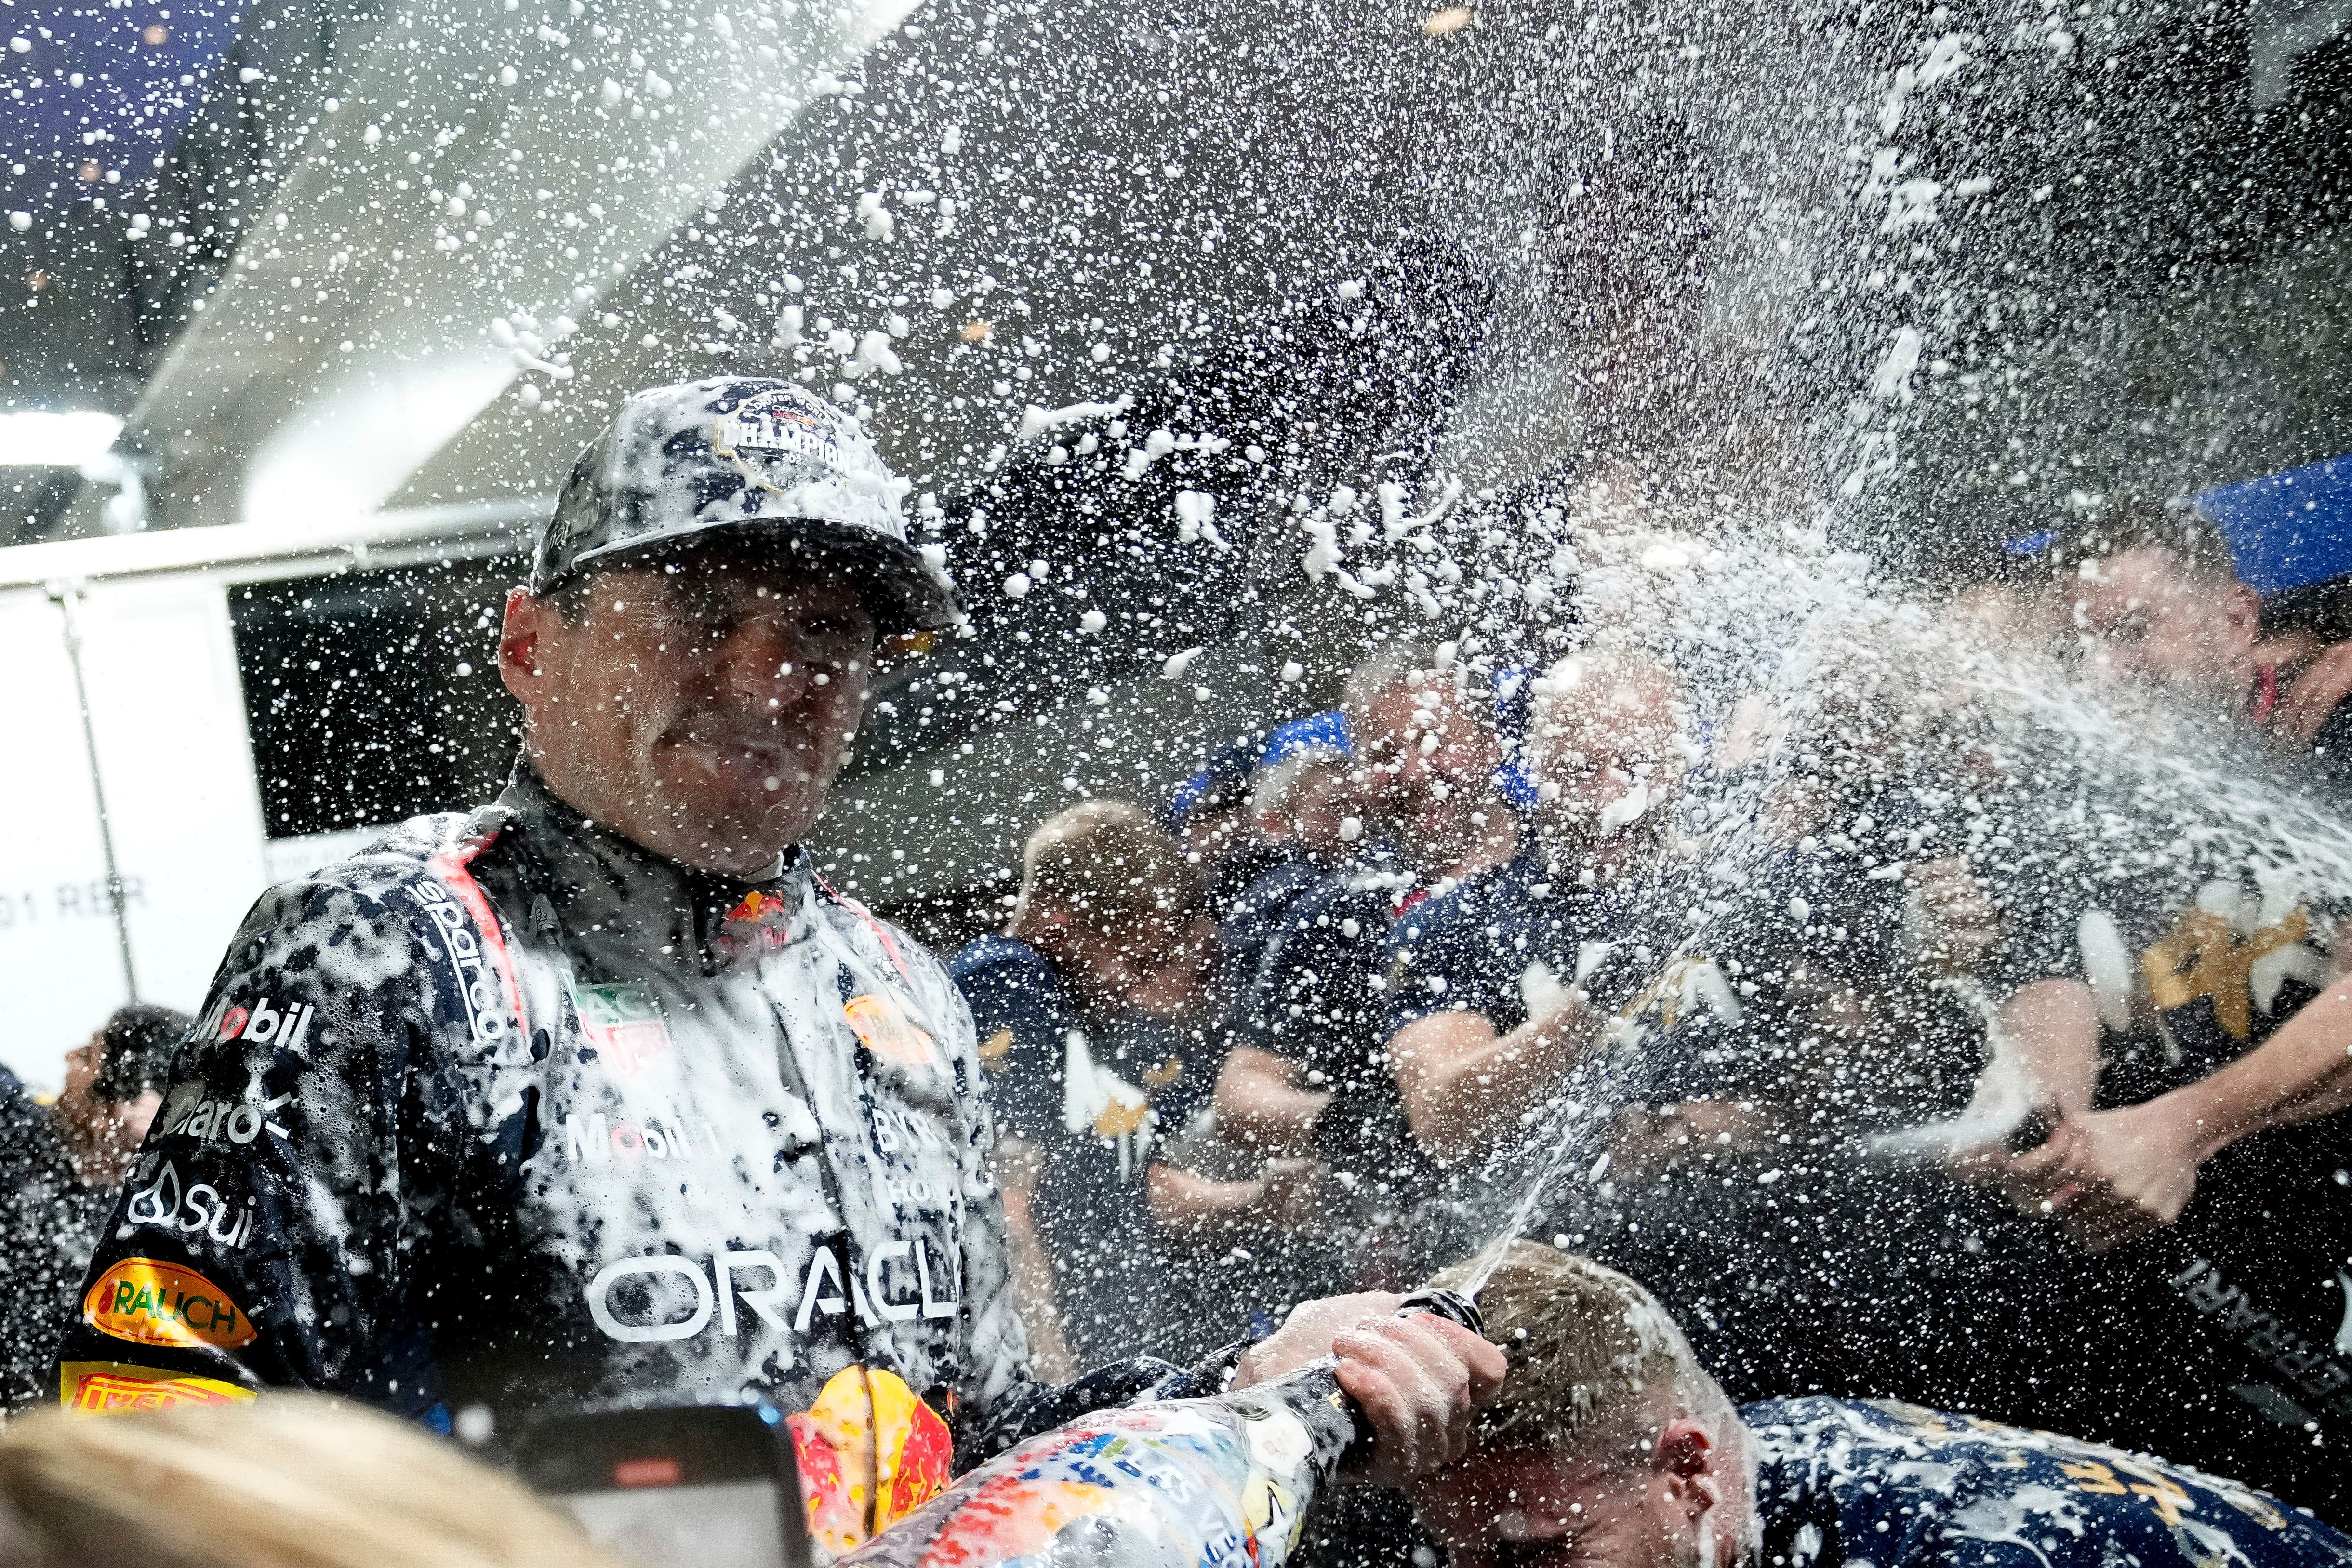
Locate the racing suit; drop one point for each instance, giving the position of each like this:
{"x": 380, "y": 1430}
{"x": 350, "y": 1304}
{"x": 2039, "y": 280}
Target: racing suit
{"x": 506, "y": 1111}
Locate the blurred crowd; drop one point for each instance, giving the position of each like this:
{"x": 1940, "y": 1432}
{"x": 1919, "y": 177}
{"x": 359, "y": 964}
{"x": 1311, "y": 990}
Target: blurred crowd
{"x": 1861, "y": 1034}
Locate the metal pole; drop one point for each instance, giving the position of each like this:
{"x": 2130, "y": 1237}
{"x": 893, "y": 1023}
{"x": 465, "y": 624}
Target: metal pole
{"x": 69, "y": 597}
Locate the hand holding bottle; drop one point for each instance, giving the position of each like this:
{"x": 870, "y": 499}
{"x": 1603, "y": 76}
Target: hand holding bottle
{"x": 1418, "y": 1379}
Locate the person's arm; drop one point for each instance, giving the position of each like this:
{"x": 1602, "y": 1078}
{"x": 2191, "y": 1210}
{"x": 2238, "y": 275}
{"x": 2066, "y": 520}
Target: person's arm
{"x": 1463, "y": 1085}
{"x": 2045, "y": 1060}
{"x": 1286, "y": 1196}
{"x": 1418, "y": 1380}
{"x": 2300, "y": 1074}
{"x": 1262, "y": 1103}
{"x": 2313, "y": 714}
{"x": 2112, "y": 1174}
{"x": 2048, "y": 1038}
{"x": 258, "y": 1242}
{"x": 1018, "y": 1164}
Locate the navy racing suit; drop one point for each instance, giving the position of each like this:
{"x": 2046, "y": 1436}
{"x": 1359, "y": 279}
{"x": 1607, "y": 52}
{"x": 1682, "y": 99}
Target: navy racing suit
{"x": 1850, "y": 1483}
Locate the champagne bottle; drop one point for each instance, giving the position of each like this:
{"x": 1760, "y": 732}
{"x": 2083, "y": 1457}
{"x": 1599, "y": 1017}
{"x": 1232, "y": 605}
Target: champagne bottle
{"x": 1166, "y": 1485}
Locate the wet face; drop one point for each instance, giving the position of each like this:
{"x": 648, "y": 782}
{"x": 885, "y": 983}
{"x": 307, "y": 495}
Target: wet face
{"x": 101, "y": 1135}
{"x": 1156, "y": 963}
{"x": 82, "y": 1064}
{"x": 701, "y": 707}
{"x": 1177, "y": 983}
{"x": 1323, "y": 799}
{"x": 2144, "y": 617}
{"x": 1608, "y": 750}
{"x": 1421, "y": 760}
{"x": 1212, "y": 832}
{"x": 1518, "y": 1509}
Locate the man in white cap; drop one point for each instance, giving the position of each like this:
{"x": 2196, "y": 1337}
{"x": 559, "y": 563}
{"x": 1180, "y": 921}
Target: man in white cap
{"x": 600, "y": 1092}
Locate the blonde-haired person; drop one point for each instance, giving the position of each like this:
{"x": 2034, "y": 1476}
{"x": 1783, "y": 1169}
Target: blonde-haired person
{"x": 1610, "y": 1446}
{"x": 1106, "y": 893}
{"x": 289, "y": 1481}
{"x": 1091, "y": 1009}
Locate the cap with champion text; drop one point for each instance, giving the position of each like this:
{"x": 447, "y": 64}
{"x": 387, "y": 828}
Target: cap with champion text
{"x": 751, "y": 455}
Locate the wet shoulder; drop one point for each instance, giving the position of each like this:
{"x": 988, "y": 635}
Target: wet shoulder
{"x": 934, "y": 990}
{"x": 421, "y": 849}
{"x": 1352, "y": 893}
{"x": 1902, "y": 1483}
{"x": 353, "y": 925}
{"x": 1508, "y": 901}
{"x": 1011, "y": 985}
{"x": 1273, "y": 889}
{"x": 1002, "y": 960}
{"x": 893, "y": 984}
{"x": 1448, "y": 906}
{"x": 341, "y": 907}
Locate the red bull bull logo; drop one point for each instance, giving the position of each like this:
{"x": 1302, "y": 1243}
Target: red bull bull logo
{"x": 883, "y": 1026}
{"x": 870, "y": 1453}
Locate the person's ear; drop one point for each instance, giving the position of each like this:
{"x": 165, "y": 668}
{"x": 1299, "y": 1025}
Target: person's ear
{"x": 1688, "y": 1457}
{"x": 2243, "y": 608}
{"x": 529, "y": 618}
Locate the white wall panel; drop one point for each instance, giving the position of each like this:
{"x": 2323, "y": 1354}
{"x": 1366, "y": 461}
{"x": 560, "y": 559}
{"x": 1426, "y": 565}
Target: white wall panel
{"x": 60, "y": 966}
{"x": 169, "y": 716}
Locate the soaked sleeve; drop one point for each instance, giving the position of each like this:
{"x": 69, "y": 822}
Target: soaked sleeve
{"x": 999, "y": 1402}
{"x": 1445, "y": 957}
{"x": 258, "y": 1242}
{"x": 1021, "y": 1023}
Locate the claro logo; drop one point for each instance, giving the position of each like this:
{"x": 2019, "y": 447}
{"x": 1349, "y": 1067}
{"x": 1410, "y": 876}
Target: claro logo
{"x": 191, "y": 1111}
{"x": 669, "y": 1296}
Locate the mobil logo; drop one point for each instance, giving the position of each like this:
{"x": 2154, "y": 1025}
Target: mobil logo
{"x": 265, "y": 1023}
{"x": 590, "y": 1138}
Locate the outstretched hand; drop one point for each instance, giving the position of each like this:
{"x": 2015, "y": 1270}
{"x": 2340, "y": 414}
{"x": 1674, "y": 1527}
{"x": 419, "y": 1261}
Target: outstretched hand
{"x": 2108, "y": 1176}
{"x": 1419, "y": 1380}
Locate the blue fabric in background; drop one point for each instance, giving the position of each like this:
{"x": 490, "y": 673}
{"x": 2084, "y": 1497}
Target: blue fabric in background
{"x": 1513, "y": 692}
{"x": 1318, "y": 731}
{"x": 2287, "y": 529}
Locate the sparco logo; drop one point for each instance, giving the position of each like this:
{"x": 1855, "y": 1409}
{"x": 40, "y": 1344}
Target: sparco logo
{"x": 477, "y": 980}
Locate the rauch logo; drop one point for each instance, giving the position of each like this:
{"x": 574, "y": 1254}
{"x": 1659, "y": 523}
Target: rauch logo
{"x": 151, "y": 1302}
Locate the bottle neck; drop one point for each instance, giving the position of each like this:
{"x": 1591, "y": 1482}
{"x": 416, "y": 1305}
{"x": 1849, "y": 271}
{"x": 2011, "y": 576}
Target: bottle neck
{"x": 1312, "y": 1396}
